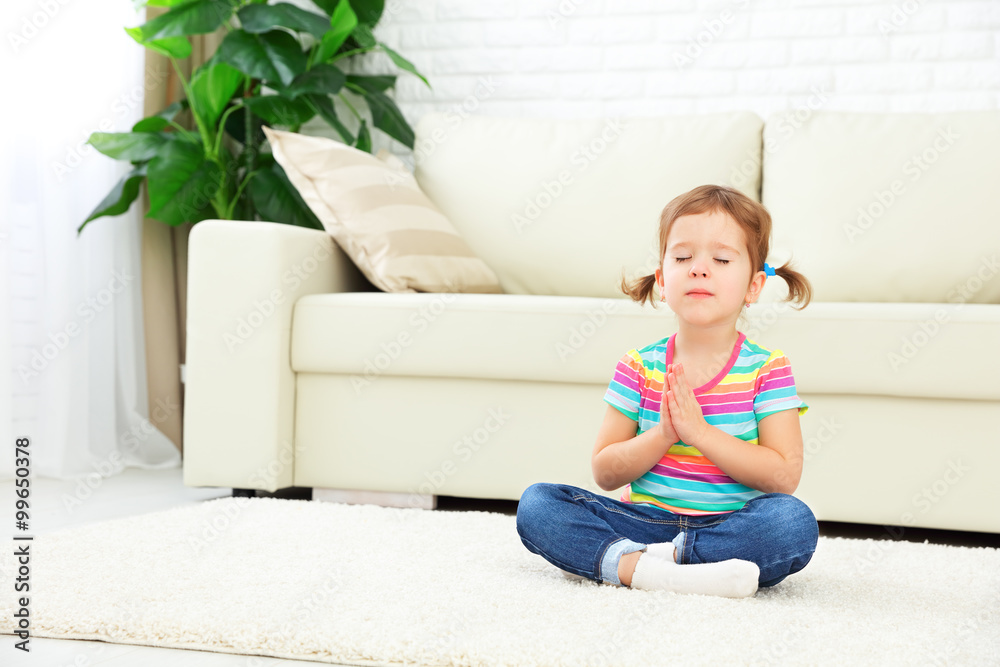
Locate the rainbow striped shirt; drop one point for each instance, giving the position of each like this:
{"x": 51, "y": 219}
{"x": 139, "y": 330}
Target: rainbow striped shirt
{"x": 756, "y": 382}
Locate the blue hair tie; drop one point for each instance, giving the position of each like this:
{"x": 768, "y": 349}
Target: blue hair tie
{"x": 768, "y": 269}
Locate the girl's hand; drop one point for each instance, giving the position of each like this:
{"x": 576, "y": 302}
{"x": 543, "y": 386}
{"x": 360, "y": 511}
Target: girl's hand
{"x": 685, "y": 412}
{"x": 665, "y": 426}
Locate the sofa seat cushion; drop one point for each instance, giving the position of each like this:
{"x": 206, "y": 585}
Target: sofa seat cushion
{"x": 921, "y": 350}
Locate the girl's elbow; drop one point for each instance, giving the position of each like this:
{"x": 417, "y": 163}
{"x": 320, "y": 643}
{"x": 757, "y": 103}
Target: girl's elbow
{"x": 786, "y": 481}
{"x": 603, "y": 479}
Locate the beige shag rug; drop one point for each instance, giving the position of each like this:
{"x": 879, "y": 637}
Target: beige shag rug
{"x": 367, "y": 585}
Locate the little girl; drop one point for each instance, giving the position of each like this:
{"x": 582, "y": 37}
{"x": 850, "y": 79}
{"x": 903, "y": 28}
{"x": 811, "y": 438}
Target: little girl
{"x": 701, "y": 428}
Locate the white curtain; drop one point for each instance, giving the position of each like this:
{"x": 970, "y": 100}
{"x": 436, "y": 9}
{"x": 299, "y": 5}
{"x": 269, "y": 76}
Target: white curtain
{"x": 71, "y": 307}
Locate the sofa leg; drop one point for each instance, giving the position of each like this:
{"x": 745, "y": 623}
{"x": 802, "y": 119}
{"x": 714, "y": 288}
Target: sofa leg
{"x": 382, "y": 498}
{"x": 244, "y": 493}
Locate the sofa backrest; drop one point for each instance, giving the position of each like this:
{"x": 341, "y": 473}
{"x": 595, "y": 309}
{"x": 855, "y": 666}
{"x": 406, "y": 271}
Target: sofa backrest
{"x": 565, "y": 207}
{"x": 886, "y": 207}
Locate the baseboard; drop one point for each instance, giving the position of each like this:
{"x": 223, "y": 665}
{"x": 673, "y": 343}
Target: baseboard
{"x": 382, "y": 498}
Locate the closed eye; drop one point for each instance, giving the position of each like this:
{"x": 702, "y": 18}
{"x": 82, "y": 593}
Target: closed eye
{"x": 681, "y": 259}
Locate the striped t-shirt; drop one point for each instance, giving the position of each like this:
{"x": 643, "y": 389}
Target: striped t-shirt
{"x": 755, "y": 382}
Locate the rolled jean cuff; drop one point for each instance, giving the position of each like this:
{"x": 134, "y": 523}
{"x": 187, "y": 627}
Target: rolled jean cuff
{"x": 684, "y": 548}
{"x": 614, "y": 552}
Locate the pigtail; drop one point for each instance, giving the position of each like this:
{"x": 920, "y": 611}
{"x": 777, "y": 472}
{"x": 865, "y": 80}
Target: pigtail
{"x": 799, "y": 289}
{"x": 640, "y": 289}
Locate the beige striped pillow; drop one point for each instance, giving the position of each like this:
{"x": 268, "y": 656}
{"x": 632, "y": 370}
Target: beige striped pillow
{"x": 380, "y": 217}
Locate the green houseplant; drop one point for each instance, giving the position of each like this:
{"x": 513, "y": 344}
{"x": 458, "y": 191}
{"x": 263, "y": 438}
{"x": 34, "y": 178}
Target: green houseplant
{"x": 278, "y": 64}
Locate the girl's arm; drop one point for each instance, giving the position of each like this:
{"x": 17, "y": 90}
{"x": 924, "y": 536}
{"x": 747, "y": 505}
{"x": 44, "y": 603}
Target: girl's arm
{"x": 773, "y": 466}
{"x": 620, "y": 456}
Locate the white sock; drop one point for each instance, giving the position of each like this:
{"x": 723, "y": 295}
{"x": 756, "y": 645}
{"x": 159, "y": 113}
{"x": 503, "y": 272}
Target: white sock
{"x": 662, "y": 550}
{"x": 733, "y": 578}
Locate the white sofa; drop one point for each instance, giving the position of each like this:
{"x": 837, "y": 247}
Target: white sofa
{"x": 300, "y": 373}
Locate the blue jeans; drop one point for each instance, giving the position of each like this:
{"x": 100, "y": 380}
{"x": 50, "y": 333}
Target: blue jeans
{"x": 585, "y": 533}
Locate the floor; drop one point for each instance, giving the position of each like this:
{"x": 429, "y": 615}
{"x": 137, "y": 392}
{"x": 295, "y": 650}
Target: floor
{"x": 61, "y": 504}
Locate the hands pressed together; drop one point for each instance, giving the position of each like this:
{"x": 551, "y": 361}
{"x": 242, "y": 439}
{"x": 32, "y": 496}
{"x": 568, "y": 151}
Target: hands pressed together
{"x": 680, "y": 412}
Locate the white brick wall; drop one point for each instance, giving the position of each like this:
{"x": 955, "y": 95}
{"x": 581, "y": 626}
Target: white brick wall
{"x": 586, "y": 58}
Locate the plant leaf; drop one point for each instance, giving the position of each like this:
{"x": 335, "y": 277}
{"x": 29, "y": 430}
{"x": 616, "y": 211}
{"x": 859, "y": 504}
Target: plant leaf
{"x": 236, "y": 126}
{"x": 160, "y": 121}
{"x": 387, "y": 117}
{"x": 181, "y": 182}
{"x": 368, "y": 11}
{"x": 262, "y": 18}
{"x": 190, "y": 18}
{"x": 342, "y": 24}
{"x": 326, "y": 110}
{"x": 131, "y": 146}
{"x": 279, "y": 110}
{"x": 164, "y": 3}
{"x": 362, "y": 34}
{"x": 375, "y": 84}
{"x": 212, "y": 86}
{"x": 277, "y": 200}
{"x": 326, "y": 79}
{"x": 403, "y": 63}
{"x": 172, "y": 47}
{"x": 364, "y": 142}
{"x": 274, "y": 56}
{"x": 120, "y": 198}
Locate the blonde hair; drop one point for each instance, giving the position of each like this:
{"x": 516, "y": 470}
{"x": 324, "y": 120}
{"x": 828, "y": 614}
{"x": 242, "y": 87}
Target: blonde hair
{"x": 752, "y": 218}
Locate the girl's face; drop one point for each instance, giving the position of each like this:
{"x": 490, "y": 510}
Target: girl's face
{"x": 706, "y": 269}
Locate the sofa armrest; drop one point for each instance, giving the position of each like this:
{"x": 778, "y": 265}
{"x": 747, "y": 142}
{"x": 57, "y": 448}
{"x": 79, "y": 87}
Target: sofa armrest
{"x": 239, "y": 406}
